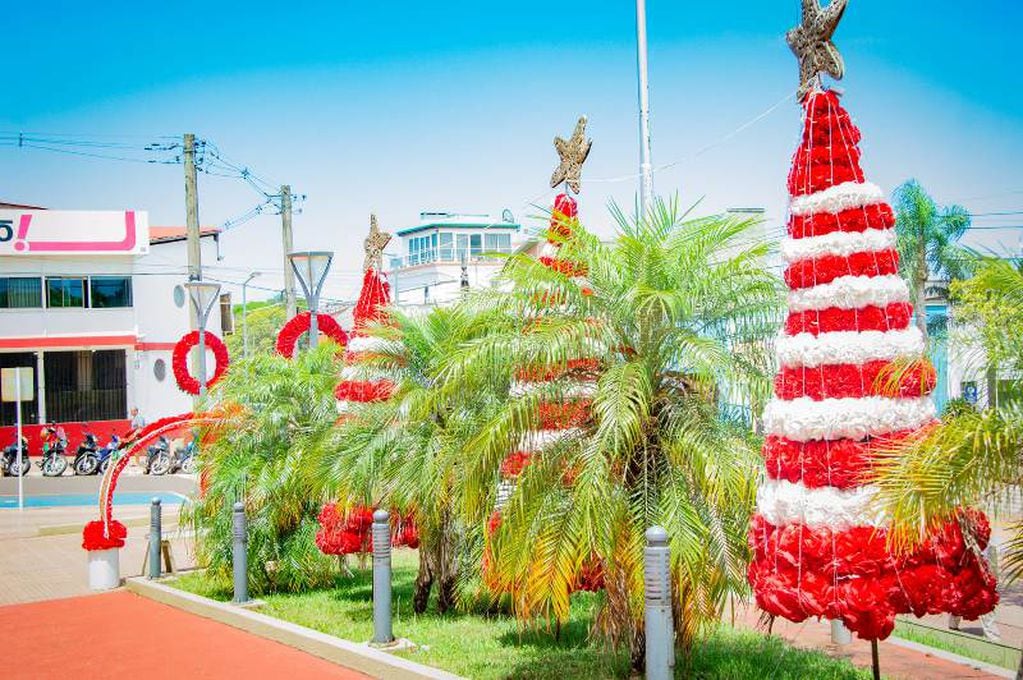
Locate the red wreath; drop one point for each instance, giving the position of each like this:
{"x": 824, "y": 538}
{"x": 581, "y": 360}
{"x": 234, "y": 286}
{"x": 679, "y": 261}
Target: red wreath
{"x": 299, "y": 324}
{"x": 180, "y": 360}
{"x": 93, "y": 537}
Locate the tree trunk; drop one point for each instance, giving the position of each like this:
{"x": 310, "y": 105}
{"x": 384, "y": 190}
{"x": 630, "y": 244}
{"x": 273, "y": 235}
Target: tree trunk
{"x": 447, "y": 565}
{"x": 424, "y": 581}
{"x": 920, "y": 301}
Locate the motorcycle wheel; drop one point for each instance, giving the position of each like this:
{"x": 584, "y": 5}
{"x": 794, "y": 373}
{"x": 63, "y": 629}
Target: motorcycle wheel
{"x": 103, "y": 466}
{"x": 25, "y": 467}
{"x": 54, "y": 466}
{"x": 160, "y": 465}
{"x": 86, "y": 465}
{"x": 188, "y": 465}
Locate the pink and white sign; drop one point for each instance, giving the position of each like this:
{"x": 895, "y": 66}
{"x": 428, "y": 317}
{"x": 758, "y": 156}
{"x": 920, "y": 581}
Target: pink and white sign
{"x": 74, "y": 232}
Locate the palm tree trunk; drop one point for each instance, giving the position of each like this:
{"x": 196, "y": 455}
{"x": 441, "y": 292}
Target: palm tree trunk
{"x": 920, "y": 299}
{"x": 1019, "y": 670}
{"x": 424, "y": 579}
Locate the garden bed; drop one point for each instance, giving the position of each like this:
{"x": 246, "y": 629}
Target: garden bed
{"x": 491, "y": 647}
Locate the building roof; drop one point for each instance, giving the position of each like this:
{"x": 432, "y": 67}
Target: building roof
{"x": 447, "y": 220}
{"x": 19, "y": 206}
{"x": 170, "y": 234}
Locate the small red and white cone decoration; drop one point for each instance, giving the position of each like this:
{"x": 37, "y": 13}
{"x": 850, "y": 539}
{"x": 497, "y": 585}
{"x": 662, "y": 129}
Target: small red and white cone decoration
{"x": 355, "y": 386}
{"x": 818, "y": 540}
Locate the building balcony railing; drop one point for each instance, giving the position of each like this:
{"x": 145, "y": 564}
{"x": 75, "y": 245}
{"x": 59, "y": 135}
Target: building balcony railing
{"x": 445, "y": 256}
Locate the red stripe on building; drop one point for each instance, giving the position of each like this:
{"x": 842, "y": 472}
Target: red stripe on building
{"x": 154, "y": 346}
{"x": 50, "y": 342}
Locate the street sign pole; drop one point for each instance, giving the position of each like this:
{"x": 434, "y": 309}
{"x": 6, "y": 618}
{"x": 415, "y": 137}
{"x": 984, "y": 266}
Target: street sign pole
{"x": 17, "y": 410}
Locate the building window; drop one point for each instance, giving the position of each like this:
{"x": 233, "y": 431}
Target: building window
{"x": 21, "y": 292}
{"x": 476, "y": 244}
{"x": 160, "y": 370}
{"x": 84, "y": 386}
{"x": 110, "y": 291}
{"x": 29, "y": 409}
{"x": 447, "y": 251}
{"x": 64, "y": 291}
{"x": 497, "y": 243}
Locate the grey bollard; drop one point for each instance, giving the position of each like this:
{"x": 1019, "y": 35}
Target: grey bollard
{"x": 155, "y": 539}
{"x": 241, "y": 556}
{"x": 840, "y": 635}
{"x": 660, "y": 631}
{"x": 382, "y": 633}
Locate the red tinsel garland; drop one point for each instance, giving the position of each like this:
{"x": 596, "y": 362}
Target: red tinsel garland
{"x": 893, "y": 317}
{"x": 825, "y": 269}
{"x": 299, "y": 324}
{"x": 564, "y": 217}
{"x": 566, "y": 267}
{"x": 561, "y": 415}
{"x": 179, "y": 360}
{"x": 346, "y": 533}
{"x": 876, "y": 216}
{"x": 514, "y": 463}
{"x": 800, "y": 572}
{"x": 839, "y": 381}
{"x": 575, "y": 367}
{"x": 364, "y": 391}
{"x": 374, "y": 296}
{"x": 93, "y": 538}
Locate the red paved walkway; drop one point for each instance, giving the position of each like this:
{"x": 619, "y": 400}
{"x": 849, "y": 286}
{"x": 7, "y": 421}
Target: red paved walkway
{"x": 121, "y": 635}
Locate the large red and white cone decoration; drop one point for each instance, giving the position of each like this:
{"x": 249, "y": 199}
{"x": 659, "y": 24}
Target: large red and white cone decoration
{"x": 558, "y": 419}
{"x": 563, "y": 418}
{"x": 355, "y": 385}
{"x": 818, "y": 540}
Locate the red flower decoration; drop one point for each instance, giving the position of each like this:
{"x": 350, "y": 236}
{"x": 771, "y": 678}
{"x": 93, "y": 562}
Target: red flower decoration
{"x": 299, "y": 324}
{"x": 514, "y": 463}
{"x": 179, "y": 360}
{"x": 364, "y": 391}
{"x": 93, "y": 538}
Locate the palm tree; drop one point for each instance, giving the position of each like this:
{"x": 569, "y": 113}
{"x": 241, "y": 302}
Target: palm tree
{"x": 973, "y": 457}
{"x": 285, "y": 412}
{"x": 678, "y": 312}
{"x": 927, "y": 240}
{"x": 404, "y": 453}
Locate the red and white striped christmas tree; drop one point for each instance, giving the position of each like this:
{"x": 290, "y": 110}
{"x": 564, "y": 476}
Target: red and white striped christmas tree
{"x": 852, "y": 378}
{"x": 355, "y": 386}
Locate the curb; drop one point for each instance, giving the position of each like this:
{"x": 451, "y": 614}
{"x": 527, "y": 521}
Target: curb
{"x": 342, "y": 652}
{"x": 997, "y": 671}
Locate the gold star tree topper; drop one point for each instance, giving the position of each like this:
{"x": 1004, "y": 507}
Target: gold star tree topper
{"x": 374, "y": 246}
{"x": 573, "y": 153}
{"x": 811, "y": 43}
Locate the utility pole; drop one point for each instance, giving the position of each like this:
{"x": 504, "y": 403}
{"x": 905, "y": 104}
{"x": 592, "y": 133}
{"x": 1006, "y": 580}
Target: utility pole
{"x": 192, "y": 211}
{"x": 646, "y": 182}
{"x": 286, "y": 237}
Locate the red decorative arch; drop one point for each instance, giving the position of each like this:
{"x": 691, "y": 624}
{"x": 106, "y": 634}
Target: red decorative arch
{"x": 299, "y": 324}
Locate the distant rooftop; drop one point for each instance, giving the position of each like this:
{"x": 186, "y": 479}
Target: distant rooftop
{"x": 19, "y": 206}
{"x": 170, "y": 234}
{"x": 434, "y": 219}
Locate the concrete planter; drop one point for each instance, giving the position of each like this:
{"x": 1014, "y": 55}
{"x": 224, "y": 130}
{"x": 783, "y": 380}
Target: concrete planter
{"x": 104, "y": 569}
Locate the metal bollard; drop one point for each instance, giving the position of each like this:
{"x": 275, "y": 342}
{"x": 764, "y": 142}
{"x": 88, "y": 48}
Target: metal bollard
{"x": 155, "y": 539}
{"x": 382, "y": 633}
{"x": 840, "y": 635}
{"x": 241, "y": 556}
{"x": 660, "y": 630}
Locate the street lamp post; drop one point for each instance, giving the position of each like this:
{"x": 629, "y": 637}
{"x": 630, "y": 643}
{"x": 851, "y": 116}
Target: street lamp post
{"x": 311, "y": 270}
{"x": 245, "y": 315}
{"x": 646, "y": 182}
{"x": 203, "y": 296}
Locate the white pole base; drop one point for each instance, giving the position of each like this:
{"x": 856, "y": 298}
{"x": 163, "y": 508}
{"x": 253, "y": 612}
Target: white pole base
{"x": 104, "y": 569}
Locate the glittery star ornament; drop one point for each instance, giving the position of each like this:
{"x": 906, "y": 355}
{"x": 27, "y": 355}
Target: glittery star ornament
{"x": 811, "y": 43}
{"x": 573, "y": 153}
{"x": 374, "y": 246}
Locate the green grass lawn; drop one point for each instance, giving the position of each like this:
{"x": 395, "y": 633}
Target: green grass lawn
{"x": 972, "y": 647}
{"x": 492, "y": 647}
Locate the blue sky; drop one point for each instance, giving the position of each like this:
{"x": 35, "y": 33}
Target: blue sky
{"x": 400, "y": 107}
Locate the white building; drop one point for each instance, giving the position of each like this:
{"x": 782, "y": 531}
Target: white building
{"x": 445, "y": 252}
{"x": 93, "y": 302}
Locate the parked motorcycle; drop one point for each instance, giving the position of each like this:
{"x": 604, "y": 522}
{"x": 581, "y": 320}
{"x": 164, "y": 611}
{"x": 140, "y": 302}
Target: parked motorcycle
{"x": 54, "y": 460}
{"x": 87, "y": 456}
{"x": 184, "y": 459}
{"x": 158, "y": 458}
{"x": 107, "y": 452}
{"x": 9, "y": 460}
